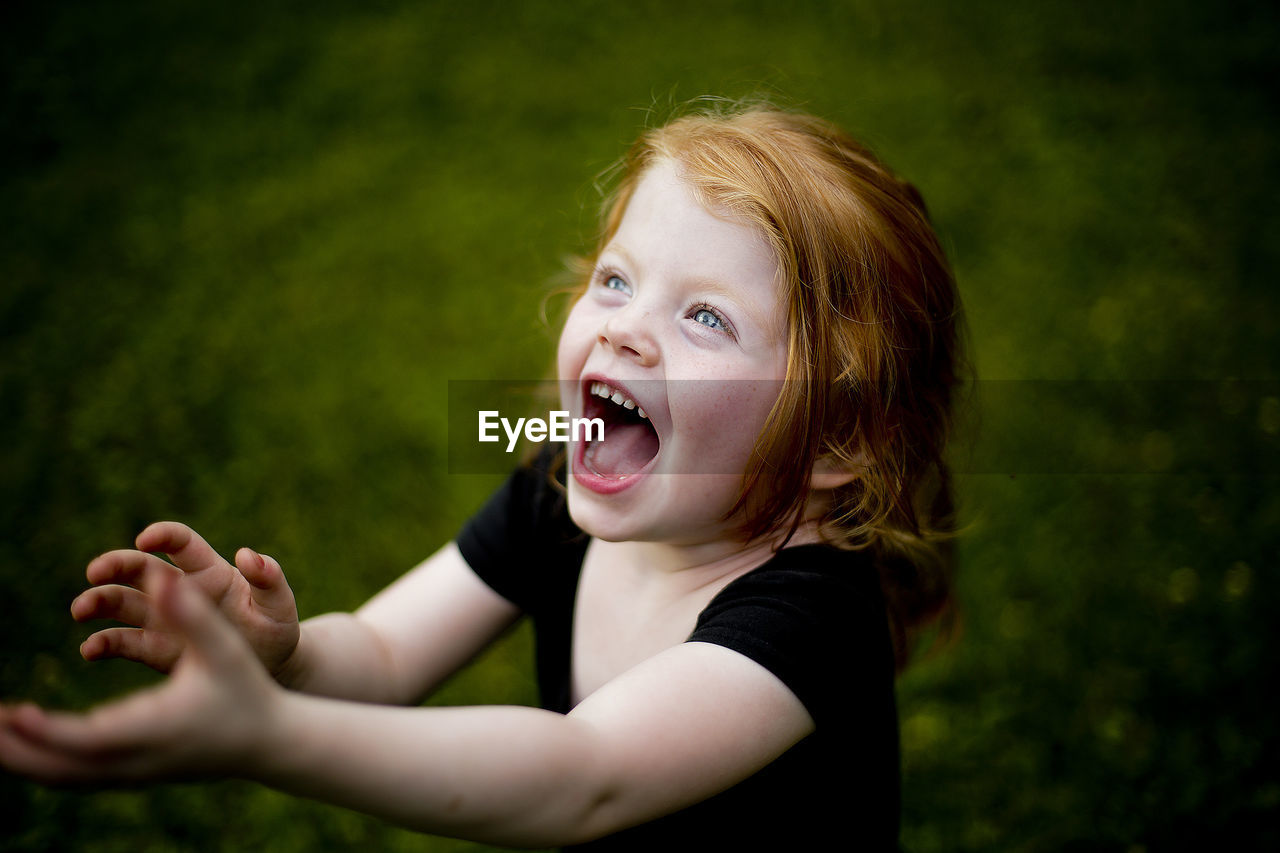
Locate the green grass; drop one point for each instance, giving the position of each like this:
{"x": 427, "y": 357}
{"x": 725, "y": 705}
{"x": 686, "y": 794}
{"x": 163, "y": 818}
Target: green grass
{"x": 244, "y": 247}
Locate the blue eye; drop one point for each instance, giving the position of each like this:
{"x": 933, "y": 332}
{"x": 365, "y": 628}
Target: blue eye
{"x": 709, "y": 318}
{"x": 614, "y": 282}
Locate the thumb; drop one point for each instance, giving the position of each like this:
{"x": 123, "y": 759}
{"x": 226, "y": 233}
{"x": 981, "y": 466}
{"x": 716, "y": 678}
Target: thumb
{"x": 267, "y": 585}
{"x": 208, "y": 634}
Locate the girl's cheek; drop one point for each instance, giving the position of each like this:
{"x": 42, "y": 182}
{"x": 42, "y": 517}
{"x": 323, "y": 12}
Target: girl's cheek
{"x": 711, "y": 413}
{"x": 574, "y": 345}
{"x": 731, "y": 413}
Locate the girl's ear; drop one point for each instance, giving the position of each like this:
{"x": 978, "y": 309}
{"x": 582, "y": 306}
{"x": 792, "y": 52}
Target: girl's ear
{"x": 829, "y": 473}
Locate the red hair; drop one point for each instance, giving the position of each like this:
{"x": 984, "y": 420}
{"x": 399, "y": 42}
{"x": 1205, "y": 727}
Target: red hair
{"x": 874, "y": 339}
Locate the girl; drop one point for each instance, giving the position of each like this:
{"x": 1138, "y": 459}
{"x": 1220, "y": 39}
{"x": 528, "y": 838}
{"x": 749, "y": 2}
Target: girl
{"x": 722, "y": 588}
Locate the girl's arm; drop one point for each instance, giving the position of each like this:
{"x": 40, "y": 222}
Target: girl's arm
{"x": 673, "y": 731}
{"x": 405, "y": 640}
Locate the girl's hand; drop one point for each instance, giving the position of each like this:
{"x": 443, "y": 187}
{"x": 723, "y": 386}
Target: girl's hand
{"x": 252, "y": 595}
{"x": 208, "y": 718}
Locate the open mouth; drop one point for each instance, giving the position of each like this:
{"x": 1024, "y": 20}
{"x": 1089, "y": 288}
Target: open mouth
{"x": 630, "y": 442}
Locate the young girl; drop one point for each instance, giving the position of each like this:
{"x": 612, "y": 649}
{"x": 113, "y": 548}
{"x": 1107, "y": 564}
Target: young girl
{"x": 722, "y": 589}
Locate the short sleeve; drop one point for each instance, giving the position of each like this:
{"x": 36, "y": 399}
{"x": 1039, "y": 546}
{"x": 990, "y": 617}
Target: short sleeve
{"x": 814, "y": 616}
{"x": 522, "y": 533}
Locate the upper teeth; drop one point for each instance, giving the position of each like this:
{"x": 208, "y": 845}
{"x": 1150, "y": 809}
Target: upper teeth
{"x": 600, "y": 389}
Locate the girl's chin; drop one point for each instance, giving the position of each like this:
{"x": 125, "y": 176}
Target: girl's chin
{"x": 599, "y": 521}
{"x": 692, "y": 514}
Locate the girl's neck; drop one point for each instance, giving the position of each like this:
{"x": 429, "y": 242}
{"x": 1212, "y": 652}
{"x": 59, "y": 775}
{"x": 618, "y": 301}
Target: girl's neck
{"x": 693, "y": 566}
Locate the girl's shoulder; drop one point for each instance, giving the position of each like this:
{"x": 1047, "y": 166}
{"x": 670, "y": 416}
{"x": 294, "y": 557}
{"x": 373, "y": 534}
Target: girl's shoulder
{"x": 809, "y": 612}
{"x": 820, "y": 577}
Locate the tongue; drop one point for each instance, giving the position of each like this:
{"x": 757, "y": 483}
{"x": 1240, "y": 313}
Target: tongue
{"x": 626, "y": 448}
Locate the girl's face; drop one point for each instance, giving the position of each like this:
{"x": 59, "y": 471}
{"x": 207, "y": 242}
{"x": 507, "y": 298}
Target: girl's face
{"x": 684, "y": 320}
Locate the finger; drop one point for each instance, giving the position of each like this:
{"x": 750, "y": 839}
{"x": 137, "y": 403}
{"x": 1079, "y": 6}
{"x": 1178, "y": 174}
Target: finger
{"x": 113, "y": 601}
{"x": 50, "y": 731}
{"x": 35, "y": 761}
{"x": 108, "y": 733}
{"x": 127, "y": 741}
{"x": 260, "y": 573}
{"x": 133, "y": 568}
{"x": 267, "y": 585}
{"x": 184, "y": 546}
{"x": 160, "y": 651}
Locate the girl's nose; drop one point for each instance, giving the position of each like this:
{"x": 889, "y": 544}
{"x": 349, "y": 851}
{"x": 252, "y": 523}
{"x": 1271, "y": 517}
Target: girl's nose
{"x": 626, "y": 332}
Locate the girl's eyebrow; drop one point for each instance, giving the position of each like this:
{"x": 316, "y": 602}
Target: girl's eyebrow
{"x": 715, "y": 286}
{"x": 622, "y": 252}
{"x": 717, "y": 289}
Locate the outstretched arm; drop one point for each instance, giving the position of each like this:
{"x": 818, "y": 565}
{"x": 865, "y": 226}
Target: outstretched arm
{"x": 673, "y": 731}
{"x": 677, "y": 729}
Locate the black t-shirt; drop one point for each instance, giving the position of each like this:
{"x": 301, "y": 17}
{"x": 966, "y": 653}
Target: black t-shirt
{"x": 812, "y": 615}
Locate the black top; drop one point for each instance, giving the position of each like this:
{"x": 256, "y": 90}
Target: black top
{"x": 812, "y": 615}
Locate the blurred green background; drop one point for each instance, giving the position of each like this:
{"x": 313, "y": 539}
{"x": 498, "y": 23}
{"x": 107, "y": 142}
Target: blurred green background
{"x": 244, "y": 247}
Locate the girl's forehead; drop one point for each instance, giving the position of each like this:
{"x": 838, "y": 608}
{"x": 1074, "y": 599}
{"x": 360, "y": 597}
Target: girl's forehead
{"x": 666, "y": 218}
